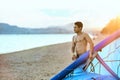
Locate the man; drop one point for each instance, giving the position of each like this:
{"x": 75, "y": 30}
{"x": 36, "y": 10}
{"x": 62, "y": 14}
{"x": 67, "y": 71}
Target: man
{"x": 79, "y": 42}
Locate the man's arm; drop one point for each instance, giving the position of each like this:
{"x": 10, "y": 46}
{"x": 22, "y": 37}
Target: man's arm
{"x": 89, "y": 40}
{"x": 73, "y": 46}
{"x": 73, "y": 49}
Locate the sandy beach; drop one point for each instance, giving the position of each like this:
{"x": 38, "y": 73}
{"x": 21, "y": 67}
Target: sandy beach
{"x": 38, "y": 63}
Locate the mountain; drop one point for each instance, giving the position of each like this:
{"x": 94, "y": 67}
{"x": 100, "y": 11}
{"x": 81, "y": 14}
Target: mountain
{"x": 9, "y": 29}
{"x": 112, "y": 26}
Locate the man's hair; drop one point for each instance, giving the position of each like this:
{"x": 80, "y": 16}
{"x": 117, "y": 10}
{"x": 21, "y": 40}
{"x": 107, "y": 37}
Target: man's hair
{"x": 79, "y": 24}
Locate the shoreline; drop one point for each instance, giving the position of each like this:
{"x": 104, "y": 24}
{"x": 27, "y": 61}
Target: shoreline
{"x": 39, "y": 63}
{"x": 17, "y": 51}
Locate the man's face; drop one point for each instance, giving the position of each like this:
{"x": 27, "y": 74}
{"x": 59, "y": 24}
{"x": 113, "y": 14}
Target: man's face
{"x": 77, "y": 29}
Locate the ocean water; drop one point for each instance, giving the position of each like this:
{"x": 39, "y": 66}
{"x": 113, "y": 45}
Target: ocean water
{"x": 12, "y": 43}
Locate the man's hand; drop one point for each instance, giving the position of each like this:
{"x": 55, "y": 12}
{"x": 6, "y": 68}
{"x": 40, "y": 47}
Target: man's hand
{"x": 74, "y": 57}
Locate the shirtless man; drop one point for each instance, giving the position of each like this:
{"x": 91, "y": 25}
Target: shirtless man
{"x": 79, "y": 42}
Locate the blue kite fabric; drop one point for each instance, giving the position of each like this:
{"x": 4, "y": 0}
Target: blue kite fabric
{"x": 80, "y": 74}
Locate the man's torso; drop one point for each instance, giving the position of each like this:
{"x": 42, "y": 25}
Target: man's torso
{"x": 81, "y": 43}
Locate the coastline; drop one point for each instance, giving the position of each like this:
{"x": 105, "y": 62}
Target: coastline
{"x": 38, "y": 63}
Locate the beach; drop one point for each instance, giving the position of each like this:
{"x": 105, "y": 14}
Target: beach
{"x": 39, "y": 63}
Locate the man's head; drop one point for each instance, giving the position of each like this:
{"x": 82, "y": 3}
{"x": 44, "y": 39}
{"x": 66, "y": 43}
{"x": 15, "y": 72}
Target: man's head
{"x": 78, "y": 27}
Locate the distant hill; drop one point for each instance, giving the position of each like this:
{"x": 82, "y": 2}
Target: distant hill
{"x": 112, "y": 26}
{"x": 9, "y": 29}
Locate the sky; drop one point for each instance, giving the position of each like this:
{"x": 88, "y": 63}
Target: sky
{"x": 44, "y": 13}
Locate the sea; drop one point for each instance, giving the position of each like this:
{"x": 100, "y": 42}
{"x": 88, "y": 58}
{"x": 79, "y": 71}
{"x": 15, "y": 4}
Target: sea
{"x": 18, "y": 42}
